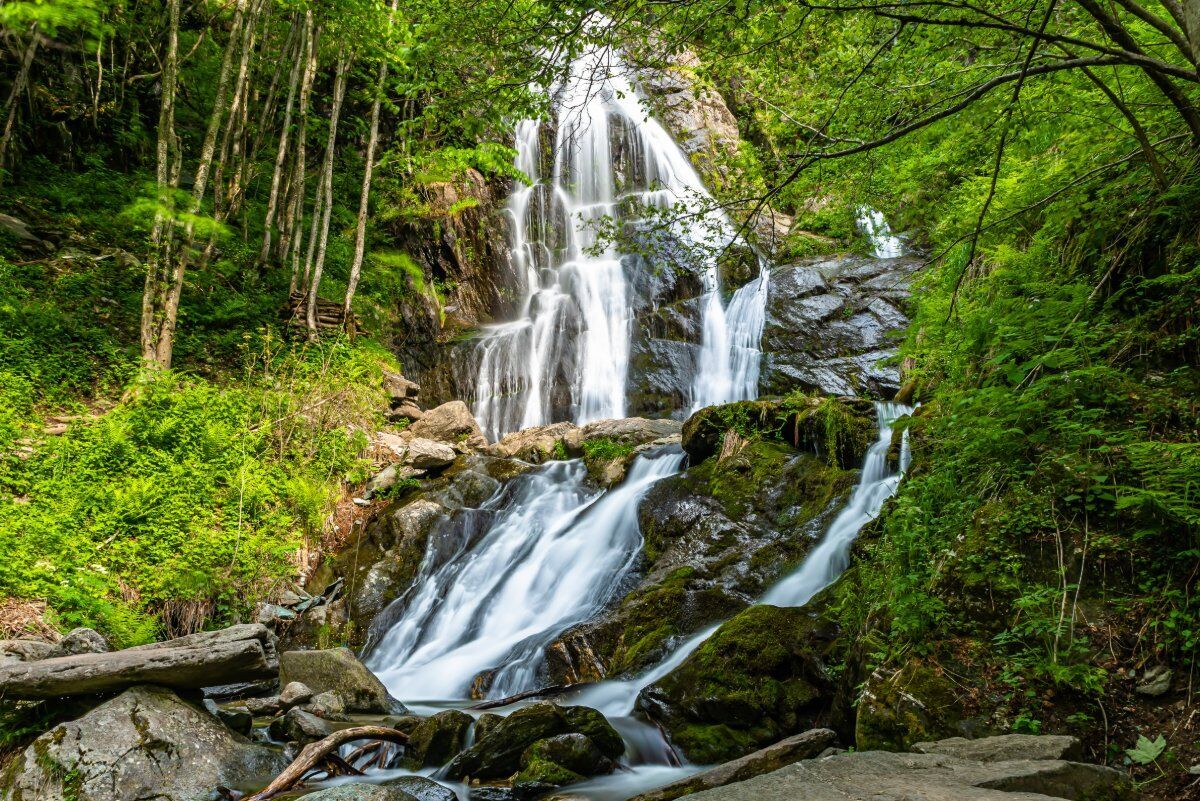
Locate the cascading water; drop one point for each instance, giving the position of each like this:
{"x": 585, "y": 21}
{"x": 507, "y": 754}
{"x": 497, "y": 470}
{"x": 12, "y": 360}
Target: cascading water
{"x": 567, "y": 355}
{"x": 554, "y": 555}
{"x": 884, "y": 244}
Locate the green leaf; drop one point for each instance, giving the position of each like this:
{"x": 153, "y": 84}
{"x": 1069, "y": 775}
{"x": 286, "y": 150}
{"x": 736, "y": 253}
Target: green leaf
{"x": 1146, "y": 751}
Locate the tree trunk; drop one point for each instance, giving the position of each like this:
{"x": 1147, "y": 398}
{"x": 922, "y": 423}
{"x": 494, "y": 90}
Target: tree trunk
{"x": 281, "y": 152}
{"x": 360, "y": 231}
{"x": 1191, "y": 18}
{"x": 339, "y": 92}
{"x": 166, "y": 176}
{"x": 165, "y": 343}
{"x": 296, "y": 227}
{"x": 18, "y": 86}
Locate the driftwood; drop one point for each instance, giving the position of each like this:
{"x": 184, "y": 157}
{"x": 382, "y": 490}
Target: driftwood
{"x": 236, "y": 654}
{"x": 321, "y": 751}
{"x": 544, "y": 692}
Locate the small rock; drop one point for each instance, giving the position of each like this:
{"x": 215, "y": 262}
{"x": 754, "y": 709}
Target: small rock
{"x": 1195, "y": 769}
{"x": 80, "y": 641}
{"x": 438, "y": 739}
{"x": 405, "y": 412}
{"x": 361, "y": 502}
{"x": 1155, "y": 681}
{"x": 400, "y": 388}
{"x": 271, "y": 614}
{"x": 235, "y": 718}
{"x": 294, "y": 694}
{"x": 300, "y": 727}
{"x": 387, "y": 478}
{"x": 451, "y": 422}
{"x": 328, "y": 705}
{"x": 260, "y": 707}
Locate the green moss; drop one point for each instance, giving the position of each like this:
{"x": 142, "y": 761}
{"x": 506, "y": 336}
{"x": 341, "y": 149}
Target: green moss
{"x": 543, "y": 771}
{"x": 606, "y": 448}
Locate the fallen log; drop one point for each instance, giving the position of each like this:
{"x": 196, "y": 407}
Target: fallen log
{"x": 543, "y": 692}
{"x": 314, "y": 754}
{"x": 236, "y": 654}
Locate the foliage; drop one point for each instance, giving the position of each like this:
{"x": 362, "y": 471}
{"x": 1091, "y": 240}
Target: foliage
{"x": 602, "y": 449}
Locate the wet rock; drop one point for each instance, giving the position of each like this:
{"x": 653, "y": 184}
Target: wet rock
{"x": 266, "y": 705}
{"x": 338, "y": 670}
{"x": 807, "y": 745}
{"x": 357, "y": 791}
{"x": 1155, "y": 682}
{"x": 145, "y": 743}
{"x": 485, "y": 723}
{"x": 294, "y": 694}
{"x": 421, "y": 789}
{"x": 831, "y": 325}
{"x": 235, "y": 718}
{"x": 426, "y": 454}
{"x": 536, "y": 445}
{"x": 662, "y": 373}
{"x": 883, "y": 776}
{"x": 79, "y": 641}
{"x": 451, "y": 422}
{"x": 625, "y": 431}
{"x": 561, "y": 760}
{"x": 715, "y": 537}
{"x": 328, "y": 705}
{"x": 437, "y": 739}
{"x": 298, "y": 726}
{"x": 760, "y": 677}
{"x": 900, "y": 708}
{"x": 498, "y": 753}
{"x": 1006, "y": 747}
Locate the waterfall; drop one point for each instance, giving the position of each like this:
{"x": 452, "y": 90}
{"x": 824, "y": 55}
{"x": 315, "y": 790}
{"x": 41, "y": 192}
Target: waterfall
{"x": 602, "y": 163}
{"x": 884, "y": 244}
{"x": 554, "y": 555}
{"x": 820, "y": 568}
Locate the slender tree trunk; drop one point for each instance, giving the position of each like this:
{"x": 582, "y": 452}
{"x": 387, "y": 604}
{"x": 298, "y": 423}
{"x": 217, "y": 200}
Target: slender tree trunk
{"x": 296, "y": 228}
{"x": 166, "y": 176}
{"x": 170, "y": 315}
{"x": 1191, "y": 19}
{"x": 281, "y": 152}
{"x": 339, "y": 92}
{"x": 360, "y": 231}
{"x": 234, "y": 130}
{"x": 18, "y": 87}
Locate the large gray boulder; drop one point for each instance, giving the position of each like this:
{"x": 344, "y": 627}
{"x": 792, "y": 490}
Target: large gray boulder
{"x": 832, "y": 324}
{"x": 885, "y": 776}
{"x": 146, "y": 743}
{"x": 338, "y": 670}
{"x": 1005, "y": 747}
{"x": 451, "y": 422}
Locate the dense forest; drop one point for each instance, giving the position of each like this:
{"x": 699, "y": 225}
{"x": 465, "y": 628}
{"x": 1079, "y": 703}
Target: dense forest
{"x": 227, "y": 227}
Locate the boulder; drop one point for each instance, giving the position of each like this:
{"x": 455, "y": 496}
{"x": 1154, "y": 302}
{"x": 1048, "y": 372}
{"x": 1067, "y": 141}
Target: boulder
{"x": 832, "y": 325}
{"x": 399, "y": 388}
{"x": 1006, "y": 747}
{"x": 338, "y": 670}
{"x": 761, "y": 677}
{"x": 899, "y": 708}
{"x": 237, "y": 653}
{"x": 426, "y": 454}
{"x": 451, "y": 422}
{"x": 79, "y": 641}
{"x": 24, "y": 650}
{"x": 561, "y": 760}
{"x": 437, "y": 739}
{"x": 265, "y": 705}
{"x": 806, "y": 745}
{"x": 498, "y": 753}
{"x": 536, "y": 445}
{"x": 884, "y": 776}
{"x": 421, "y": 789}
{"x": 387, "y": 478}
{"x": 625, "y": 431}
{"x": 359, "y": 791}
{"x": 145, "y": 743}
{"x": 328, "y": 705}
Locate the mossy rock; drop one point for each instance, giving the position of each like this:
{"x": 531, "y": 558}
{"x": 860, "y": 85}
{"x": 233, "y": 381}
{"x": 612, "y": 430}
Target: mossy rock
{"x": 899, "y": 708}
{"x": 761, "y": 677}
{"x": 562, "y": 759}
{"x": 437, "y": 739}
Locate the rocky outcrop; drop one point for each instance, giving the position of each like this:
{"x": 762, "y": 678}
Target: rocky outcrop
{"x": 144, "y": 744}
{"x": 505, "y": 747}
{"x": 763, "y": 676}
{"x": 831, "y": 326}
{"x": 883, "y": 776}
{"x": 337, "y": 670}
{"x": 793, "y": 749}
{"x": 899, "y": 708}
{"x": 237, "y": 653}
{"x": 451, "y": 422}
{"x": 715, "y": 537}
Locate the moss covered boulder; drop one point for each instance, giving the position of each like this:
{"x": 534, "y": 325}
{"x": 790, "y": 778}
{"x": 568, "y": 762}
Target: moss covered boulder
{"x": 561, "y": 760}
{"x": 715, "y": 537}
{"x": 498, "y": 753}
{"x": 900, "y": 708}
{"x": 437, "y": 739}
{"x": 763, "y": 676}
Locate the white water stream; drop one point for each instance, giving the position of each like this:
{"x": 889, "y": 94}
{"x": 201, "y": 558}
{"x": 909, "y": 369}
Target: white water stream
{"x": 603, "y": 162}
